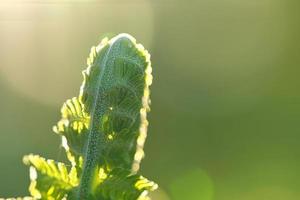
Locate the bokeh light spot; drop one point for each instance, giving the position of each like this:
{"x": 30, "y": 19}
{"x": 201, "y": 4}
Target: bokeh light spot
{"x": 159, "y": 194}
{"x": 192, "y": 185}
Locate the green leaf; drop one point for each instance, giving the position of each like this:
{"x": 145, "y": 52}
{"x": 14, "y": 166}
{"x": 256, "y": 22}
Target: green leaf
{"x": 121, "y": 184}
{"x": 50, "y": 180}
{"x": 115, "y": 91}
{"x": 73, "y": 127}
{"x": 115, "y": 94}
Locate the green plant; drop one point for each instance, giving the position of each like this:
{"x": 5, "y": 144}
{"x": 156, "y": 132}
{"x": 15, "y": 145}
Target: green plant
{"x": 103, "y": 130}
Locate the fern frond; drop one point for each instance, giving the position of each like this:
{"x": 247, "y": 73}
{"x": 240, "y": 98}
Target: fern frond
{"x": 115, "y": 94}
{"x": 73, "y": 127}
{"x": 115, "y": 91}
{"x": 50, "y": 180}
{"x": 121, "y": 184}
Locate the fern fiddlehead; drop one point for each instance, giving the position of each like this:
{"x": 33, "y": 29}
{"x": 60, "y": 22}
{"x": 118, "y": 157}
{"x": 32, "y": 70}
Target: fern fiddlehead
{"x": 103, "y": 130}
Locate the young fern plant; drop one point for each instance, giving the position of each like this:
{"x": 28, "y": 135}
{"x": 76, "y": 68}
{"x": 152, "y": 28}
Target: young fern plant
{"x": 103, "y": 130}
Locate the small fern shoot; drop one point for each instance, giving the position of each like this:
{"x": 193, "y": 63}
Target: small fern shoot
{"x": 103, "y": 130}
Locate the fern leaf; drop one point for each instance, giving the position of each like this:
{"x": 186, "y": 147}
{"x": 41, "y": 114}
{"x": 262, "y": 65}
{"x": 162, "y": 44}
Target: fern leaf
{"x": 49, "y": 180}
{"x": 124, "y": 103}
{"x": 121, "y": 184}
{"x": 115, "y": 94}
{"x": 73, "y": 127}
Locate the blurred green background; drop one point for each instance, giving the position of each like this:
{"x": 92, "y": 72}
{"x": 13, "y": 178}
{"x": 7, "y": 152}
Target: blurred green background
{"x": 225, "y": 100}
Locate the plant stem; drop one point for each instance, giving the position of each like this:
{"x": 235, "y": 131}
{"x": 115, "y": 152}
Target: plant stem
{"x": 92, "y": 155}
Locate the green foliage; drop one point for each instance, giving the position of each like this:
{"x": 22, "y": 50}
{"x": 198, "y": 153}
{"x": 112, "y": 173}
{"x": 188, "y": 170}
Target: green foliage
{"x": 121, "y": 184}
{"x": 103, "y": 130}
{"x": 50, "y": 180}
